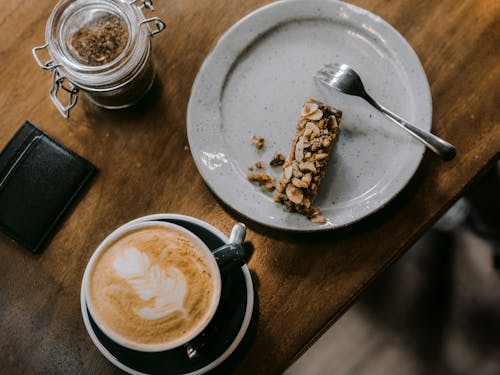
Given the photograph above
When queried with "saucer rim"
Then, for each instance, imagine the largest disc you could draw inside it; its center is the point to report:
(244, 325)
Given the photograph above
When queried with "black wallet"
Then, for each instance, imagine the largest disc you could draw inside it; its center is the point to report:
(39, 180)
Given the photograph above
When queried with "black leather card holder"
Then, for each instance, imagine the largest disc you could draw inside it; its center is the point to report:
(39, 181)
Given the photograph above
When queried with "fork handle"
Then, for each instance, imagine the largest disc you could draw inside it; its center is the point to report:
(443, 149)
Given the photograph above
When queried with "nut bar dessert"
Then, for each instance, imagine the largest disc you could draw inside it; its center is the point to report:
(306, 164)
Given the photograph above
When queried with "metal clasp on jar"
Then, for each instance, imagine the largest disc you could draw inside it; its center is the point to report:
(148, 4)
(57, 83)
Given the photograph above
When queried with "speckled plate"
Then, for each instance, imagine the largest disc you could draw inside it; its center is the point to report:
(254, 83)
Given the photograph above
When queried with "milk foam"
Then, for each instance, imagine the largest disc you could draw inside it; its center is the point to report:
(167, 287)
(153, 285)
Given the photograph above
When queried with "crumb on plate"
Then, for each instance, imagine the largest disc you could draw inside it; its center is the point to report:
(258, 141)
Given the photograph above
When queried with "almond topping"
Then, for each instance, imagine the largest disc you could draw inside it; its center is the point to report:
(306, 202)
(320, 156)
(307, 178)
(294, 194)
(318, 219)
(307, 166)
(316, 115)
(299, 183)
(309, 108)
(295, 171)
(299, 150)
(312, 129)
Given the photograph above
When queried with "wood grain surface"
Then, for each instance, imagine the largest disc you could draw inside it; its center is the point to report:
(303, 283)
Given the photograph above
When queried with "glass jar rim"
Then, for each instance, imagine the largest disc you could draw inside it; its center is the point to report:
(121, 68)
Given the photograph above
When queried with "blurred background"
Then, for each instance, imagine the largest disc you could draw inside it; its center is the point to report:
(435, 311)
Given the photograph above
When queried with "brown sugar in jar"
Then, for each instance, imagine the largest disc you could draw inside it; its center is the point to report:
(99, 41)
(101, 47)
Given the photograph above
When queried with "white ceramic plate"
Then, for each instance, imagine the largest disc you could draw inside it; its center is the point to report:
(255, 81)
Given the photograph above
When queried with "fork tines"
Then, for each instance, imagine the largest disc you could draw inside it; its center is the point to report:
(324, 76)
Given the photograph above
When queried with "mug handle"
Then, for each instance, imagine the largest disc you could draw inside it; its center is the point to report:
(228, 256)
(232, 254)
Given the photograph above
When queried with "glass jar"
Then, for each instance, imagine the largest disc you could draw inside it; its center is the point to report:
(101, 47)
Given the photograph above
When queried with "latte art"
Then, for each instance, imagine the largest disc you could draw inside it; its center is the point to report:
(167, 287)
(153, 286)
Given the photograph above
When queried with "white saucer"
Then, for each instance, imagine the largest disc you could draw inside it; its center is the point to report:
(231, 347)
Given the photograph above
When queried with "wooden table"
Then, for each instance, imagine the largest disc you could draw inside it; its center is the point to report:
(304, 283)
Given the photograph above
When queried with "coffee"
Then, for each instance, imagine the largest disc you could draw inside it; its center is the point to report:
(153, 286)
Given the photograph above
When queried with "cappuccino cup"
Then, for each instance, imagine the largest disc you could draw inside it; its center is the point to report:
(155, 286)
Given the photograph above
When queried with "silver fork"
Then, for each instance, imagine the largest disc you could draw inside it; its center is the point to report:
(344, 79)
